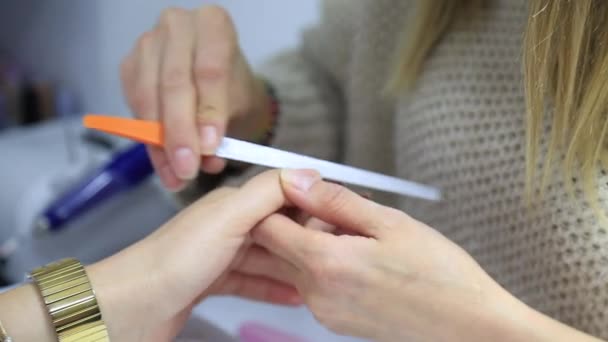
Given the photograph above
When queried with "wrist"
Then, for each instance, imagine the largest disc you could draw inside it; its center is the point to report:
(503, 317)
(24, 315)
(126, 287)
(523, 323)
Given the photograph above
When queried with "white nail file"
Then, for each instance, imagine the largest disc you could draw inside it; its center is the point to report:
(266, 156)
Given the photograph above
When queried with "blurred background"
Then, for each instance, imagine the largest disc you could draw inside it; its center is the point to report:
(60, 59)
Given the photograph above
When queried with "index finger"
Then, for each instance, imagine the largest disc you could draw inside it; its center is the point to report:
(289, 240)
(215, 51)
(334, 203)
(177, 94)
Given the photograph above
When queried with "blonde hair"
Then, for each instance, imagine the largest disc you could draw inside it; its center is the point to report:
(565, 68)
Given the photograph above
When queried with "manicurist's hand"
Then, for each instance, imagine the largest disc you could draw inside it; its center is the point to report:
(389, 277)
(189, 73)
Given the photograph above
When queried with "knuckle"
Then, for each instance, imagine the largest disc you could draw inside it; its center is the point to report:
(326, 271)
(207, 68)
(318, 245)
(334, 198)
(143, 101)
(315, 251)
(258, 233)
(392, 218)
(175, 78)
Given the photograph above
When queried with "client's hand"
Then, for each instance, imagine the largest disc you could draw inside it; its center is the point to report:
(147, 291)
(381, 274)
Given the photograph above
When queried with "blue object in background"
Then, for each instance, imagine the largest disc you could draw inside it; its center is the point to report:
(124, 171)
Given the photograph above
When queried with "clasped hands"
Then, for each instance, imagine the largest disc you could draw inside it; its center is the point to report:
(289, 237)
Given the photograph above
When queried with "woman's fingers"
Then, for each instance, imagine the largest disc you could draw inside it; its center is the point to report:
(144, 99)
(177, 93)
(332, 203)
(147, 103)
(290, 241)
(216, 49)
(259, 262)
(259, 197)
(189, 73)
(244, 208)
(259, 288)
(139, 75)
(163, 168)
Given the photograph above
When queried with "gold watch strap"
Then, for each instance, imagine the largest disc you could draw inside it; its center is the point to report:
(71, 302)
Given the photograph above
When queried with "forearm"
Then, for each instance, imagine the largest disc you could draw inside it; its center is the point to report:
(24, 315)
(507, 319)
(128, 289)
(543, 328)
(478, 315)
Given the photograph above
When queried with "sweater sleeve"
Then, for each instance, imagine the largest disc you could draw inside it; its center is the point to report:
(309, 83)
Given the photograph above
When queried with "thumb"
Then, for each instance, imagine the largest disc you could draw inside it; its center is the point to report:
(254, 201)
(332, 203)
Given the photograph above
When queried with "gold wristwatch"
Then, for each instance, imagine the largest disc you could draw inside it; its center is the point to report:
(70, 301)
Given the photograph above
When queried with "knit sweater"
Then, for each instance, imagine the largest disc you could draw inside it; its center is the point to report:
(462, 129)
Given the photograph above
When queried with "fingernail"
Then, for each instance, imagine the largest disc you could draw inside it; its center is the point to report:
(185, 163)
(302, 180)
(169, 179)
(209, 139)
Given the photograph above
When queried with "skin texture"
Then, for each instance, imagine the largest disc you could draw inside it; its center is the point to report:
(189, 73)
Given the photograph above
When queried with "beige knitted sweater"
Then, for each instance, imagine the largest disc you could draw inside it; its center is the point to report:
(461, 129)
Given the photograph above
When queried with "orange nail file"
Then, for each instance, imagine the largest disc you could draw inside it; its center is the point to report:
(147, 132)
(151, 133)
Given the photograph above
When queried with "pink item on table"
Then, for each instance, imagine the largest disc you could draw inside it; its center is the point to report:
(256, 332)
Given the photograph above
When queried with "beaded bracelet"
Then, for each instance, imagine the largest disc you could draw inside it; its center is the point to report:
(266, 137)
